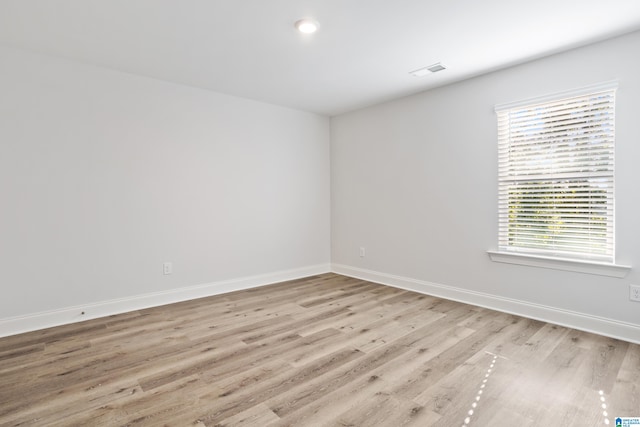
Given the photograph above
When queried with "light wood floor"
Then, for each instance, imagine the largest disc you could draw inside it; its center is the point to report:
(323, 351)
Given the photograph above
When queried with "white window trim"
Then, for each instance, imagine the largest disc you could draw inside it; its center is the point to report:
(557, 263)
(578, 266)
(585, 90)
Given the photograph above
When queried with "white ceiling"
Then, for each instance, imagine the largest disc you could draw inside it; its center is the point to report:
(360, 56)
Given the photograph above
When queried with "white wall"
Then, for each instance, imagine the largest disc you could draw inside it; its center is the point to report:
(105, 175)
(414, 181)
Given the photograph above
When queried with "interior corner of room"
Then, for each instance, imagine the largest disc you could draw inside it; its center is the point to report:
(106, 175)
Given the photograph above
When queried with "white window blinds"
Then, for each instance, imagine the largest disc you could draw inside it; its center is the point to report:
(556, 176)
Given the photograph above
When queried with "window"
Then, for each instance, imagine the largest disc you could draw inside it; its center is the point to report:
(556, 176)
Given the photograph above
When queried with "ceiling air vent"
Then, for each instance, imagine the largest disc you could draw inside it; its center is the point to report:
(434, 68)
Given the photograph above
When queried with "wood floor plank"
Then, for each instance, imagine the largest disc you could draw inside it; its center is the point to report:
(351, 387)
(293, 400)
(387, 409)
(434, 369)
(326, 350)
(604, 362)
(328, 408)
(263, 353)
(258, 415)
(624, 397)
(244, 399)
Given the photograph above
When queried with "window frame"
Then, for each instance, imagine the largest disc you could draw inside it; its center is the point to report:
(548, 259)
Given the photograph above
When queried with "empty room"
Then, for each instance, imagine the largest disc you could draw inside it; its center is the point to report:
(319, 213)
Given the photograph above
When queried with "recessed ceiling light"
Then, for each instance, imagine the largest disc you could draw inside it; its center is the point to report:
(434, 68)
(306, 26)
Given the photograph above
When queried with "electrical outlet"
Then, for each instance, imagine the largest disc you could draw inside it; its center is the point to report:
(167, 268)
(634, 292)
(362, 251)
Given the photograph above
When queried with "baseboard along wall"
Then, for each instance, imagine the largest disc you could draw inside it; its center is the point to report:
(581, 321)
(47, 319)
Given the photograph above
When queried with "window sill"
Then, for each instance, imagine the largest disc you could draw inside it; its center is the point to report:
(587, 267)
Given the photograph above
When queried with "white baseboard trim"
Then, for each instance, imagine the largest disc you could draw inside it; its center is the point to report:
(47, 319)
(584, 322)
